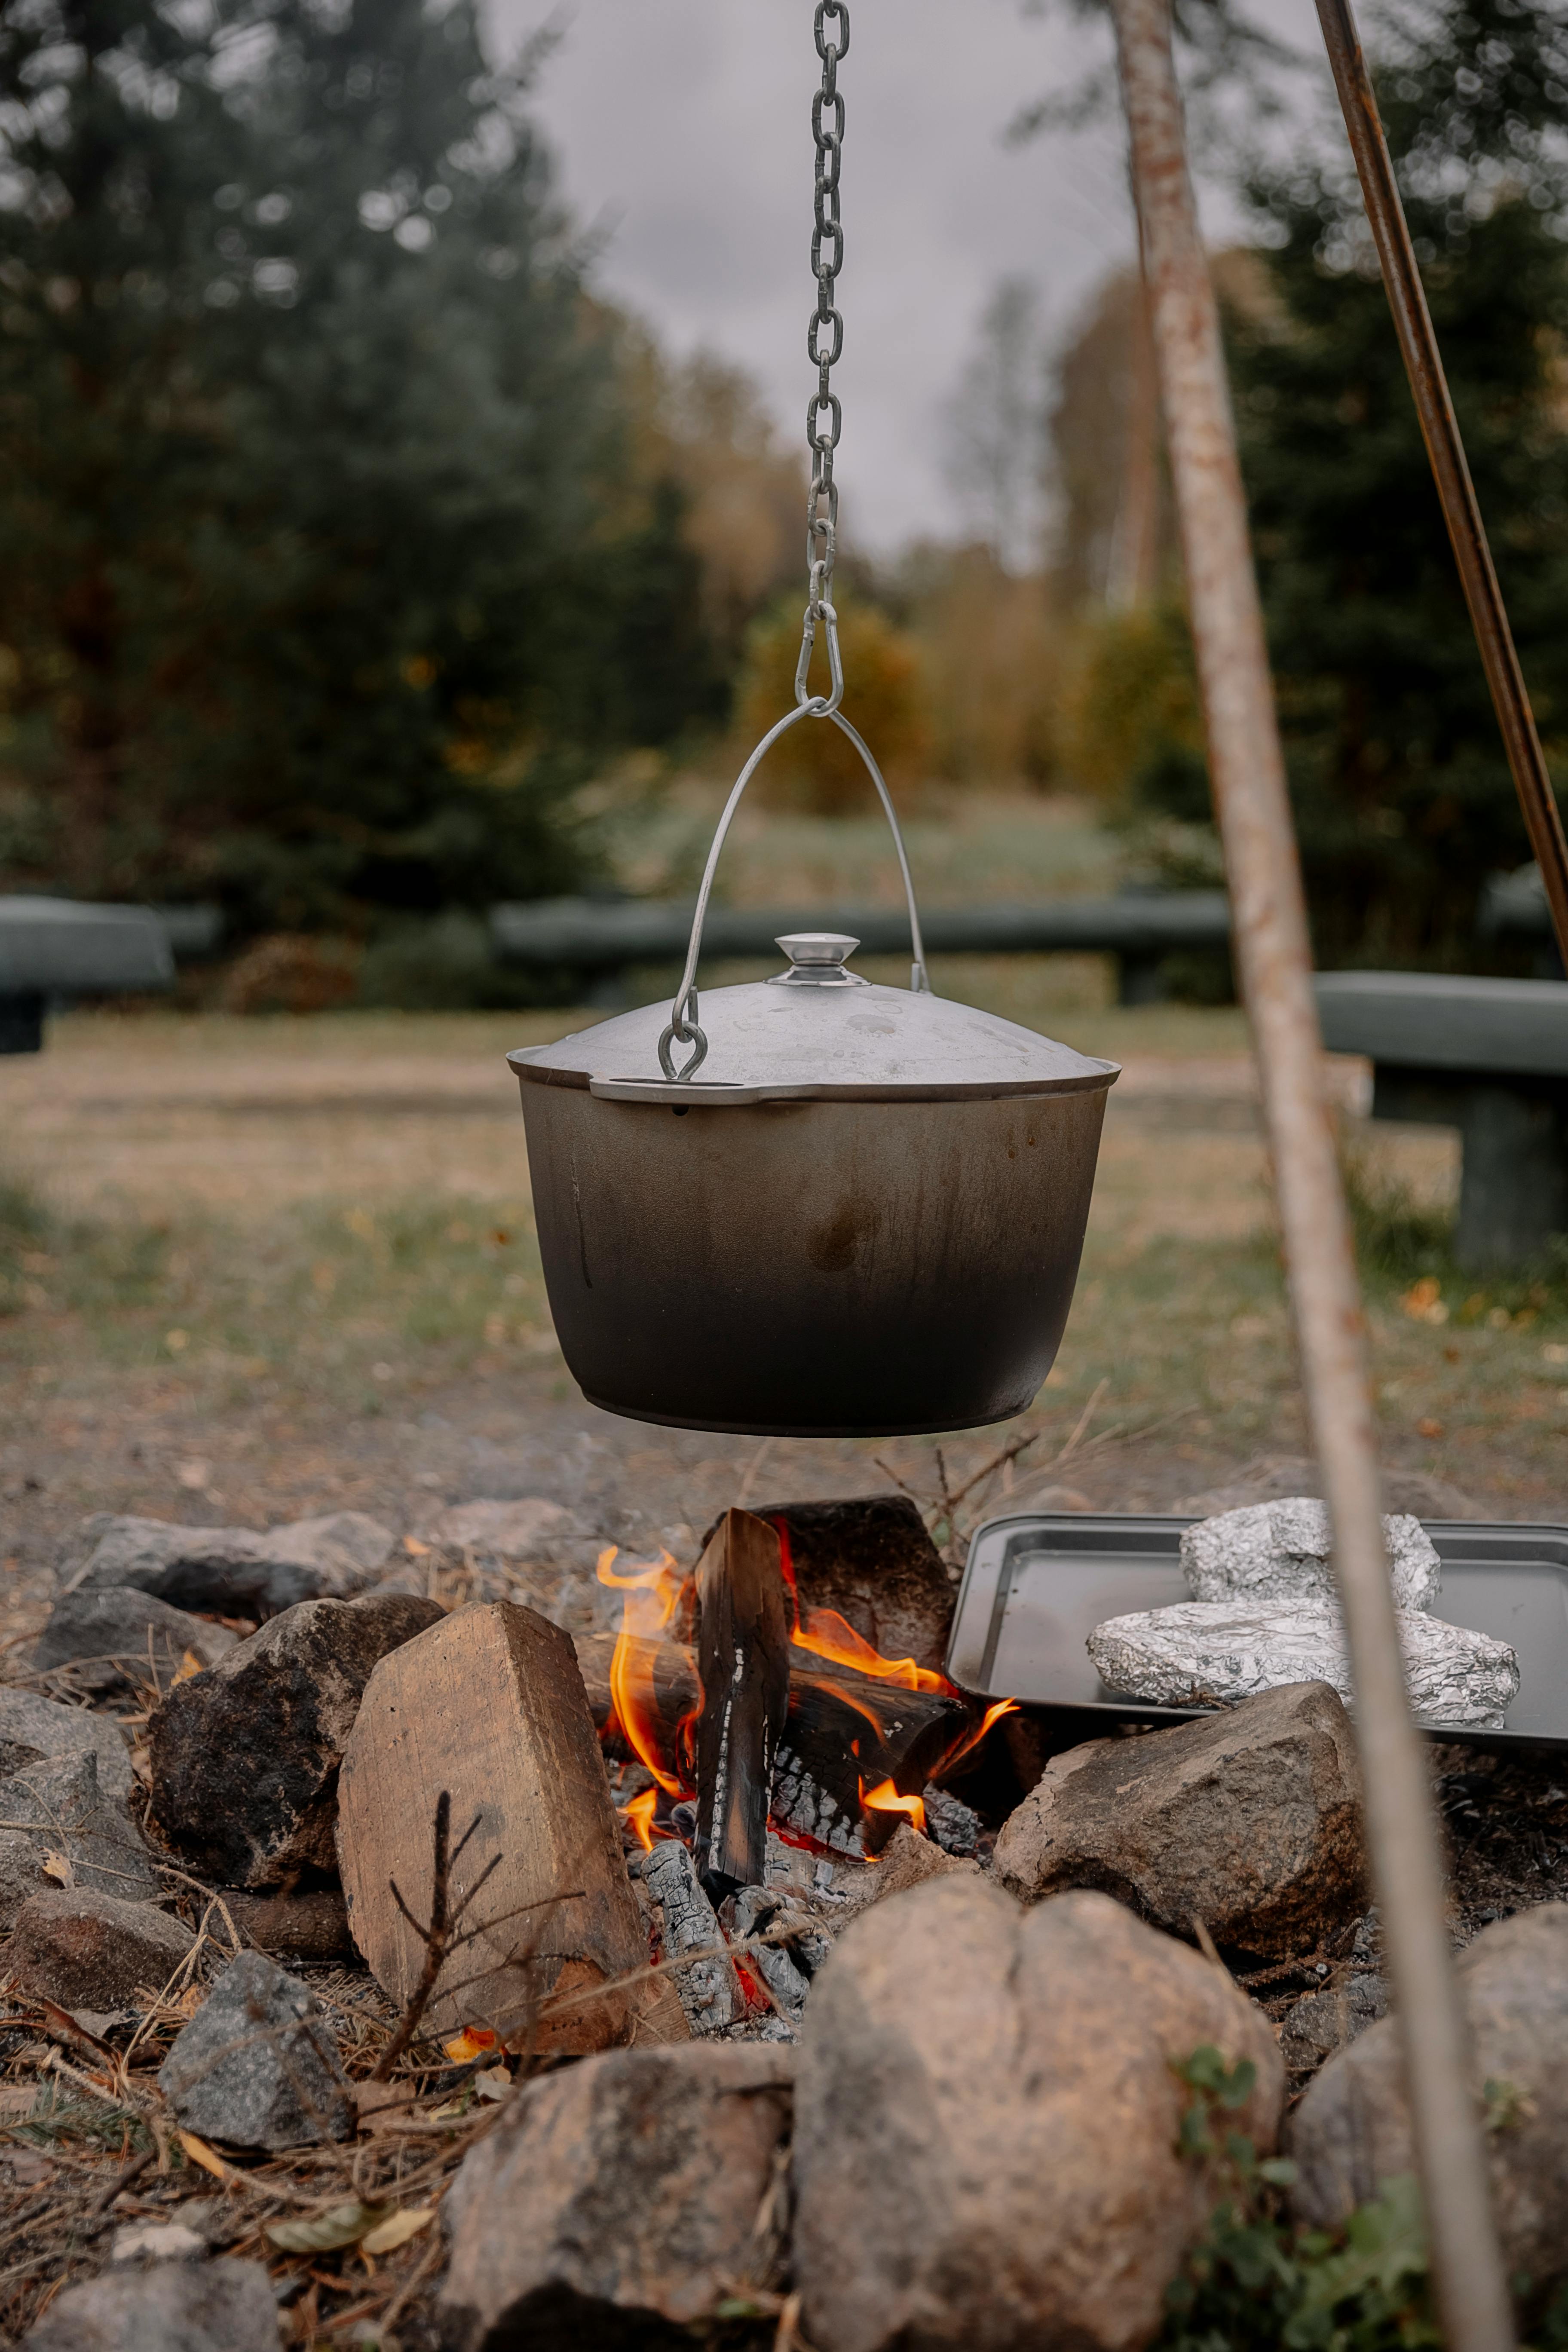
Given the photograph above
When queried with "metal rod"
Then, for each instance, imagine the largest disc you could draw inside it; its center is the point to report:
(1440, 431)
(1264, 874)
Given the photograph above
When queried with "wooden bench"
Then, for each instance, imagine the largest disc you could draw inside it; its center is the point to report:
(55, 947)
(600, 939)
(1488, 1057)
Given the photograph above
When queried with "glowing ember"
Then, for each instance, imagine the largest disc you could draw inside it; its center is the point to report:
(651, 1594)
(885, 1799)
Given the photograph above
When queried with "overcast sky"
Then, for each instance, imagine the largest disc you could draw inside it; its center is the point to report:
(683, 131)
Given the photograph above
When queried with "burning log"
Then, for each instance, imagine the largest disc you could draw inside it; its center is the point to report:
(744, 1668)
(871, 1564)
(842, 1729)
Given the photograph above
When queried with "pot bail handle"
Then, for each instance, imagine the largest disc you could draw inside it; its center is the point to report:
(683, 1027)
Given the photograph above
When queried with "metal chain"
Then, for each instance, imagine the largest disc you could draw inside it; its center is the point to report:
(824, 343)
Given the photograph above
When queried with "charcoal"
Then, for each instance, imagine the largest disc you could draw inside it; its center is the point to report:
(710, 1991)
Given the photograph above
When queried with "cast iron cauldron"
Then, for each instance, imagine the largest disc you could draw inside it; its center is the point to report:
(865, 1217)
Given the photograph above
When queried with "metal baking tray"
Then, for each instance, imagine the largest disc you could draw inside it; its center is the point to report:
(1034, 1587)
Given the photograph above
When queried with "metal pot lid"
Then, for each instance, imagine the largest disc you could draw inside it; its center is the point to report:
(818, 1030)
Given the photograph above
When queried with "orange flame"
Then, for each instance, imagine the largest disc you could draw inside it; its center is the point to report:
(885, 1799)
(638, 1818)
(829, 1635)
(972, 1740)
(652, 1591)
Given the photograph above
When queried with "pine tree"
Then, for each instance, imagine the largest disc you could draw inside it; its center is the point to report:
(321, 566)
(1403, 796)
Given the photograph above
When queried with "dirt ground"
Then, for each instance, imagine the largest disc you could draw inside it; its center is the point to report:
(256, 1269)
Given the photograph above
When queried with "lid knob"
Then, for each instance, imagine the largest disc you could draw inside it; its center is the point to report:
(817, 960)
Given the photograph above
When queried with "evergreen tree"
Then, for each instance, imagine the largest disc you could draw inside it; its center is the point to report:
(322, 564)
(1403, 795)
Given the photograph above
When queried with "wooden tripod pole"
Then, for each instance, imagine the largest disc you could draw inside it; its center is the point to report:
(1263, 870)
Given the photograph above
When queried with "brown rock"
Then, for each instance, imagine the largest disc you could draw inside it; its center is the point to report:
(908, 1860)
(244, 1757)
(1248, 1820)
(986, 2123)
(1351, 2130)
(307, 1923)
(616, 2195)
(488, 1707)
(87, 1950)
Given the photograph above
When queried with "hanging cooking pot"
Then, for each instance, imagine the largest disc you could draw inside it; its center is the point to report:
(853, 1211)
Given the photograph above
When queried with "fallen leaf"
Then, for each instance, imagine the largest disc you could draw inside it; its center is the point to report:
(472, 2043)
(449, 2113)
(397, 2228)
(414, 1549)
(17, 2098)
(189, 1665)
(493, 2084)
(1430, 1428)
(207, 2158)
(341, 2225)
(68, 2027)
(58, 1866)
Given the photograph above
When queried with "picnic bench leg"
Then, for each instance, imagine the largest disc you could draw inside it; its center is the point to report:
(21, 1024)
(1513, 1186)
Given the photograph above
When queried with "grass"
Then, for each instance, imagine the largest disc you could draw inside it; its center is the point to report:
(297, 1225)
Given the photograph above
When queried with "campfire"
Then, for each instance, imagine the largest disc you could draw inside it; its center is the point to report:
(770, 1743)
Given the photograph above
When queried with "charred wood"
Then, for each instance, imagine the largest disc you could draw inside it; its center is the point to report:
(743, 1666)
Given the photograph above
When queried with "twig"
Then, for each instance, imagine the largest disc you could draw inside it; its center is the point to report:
(1085, 1417)
(1009, 1453)
(439, 1937)
(122, 2180)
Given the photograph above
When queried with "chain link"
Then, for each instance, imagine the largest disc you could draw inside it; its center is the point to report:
(825, 334)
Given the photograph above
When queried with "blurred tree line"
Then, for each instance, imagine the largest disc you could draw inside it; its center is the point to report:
(1403, 798)
(345, 536)
(340, 531)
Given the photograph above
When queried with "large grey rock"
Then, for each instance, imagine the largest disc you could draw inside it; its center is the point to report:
(218, 2306)
(1201, 1653)
(624, 2191)
(234, 1571)
(1284, 1551)
(1351, 2130)
(245, 1758)
(57, 1826)
(987, 2120)
(33, 1728)
(1249, 1820)
(116, 1635)
(89, 1950)
(256, 2066)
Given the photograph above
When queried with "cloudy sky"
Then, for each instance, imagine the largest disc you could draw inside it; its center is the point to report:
(682, 132)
